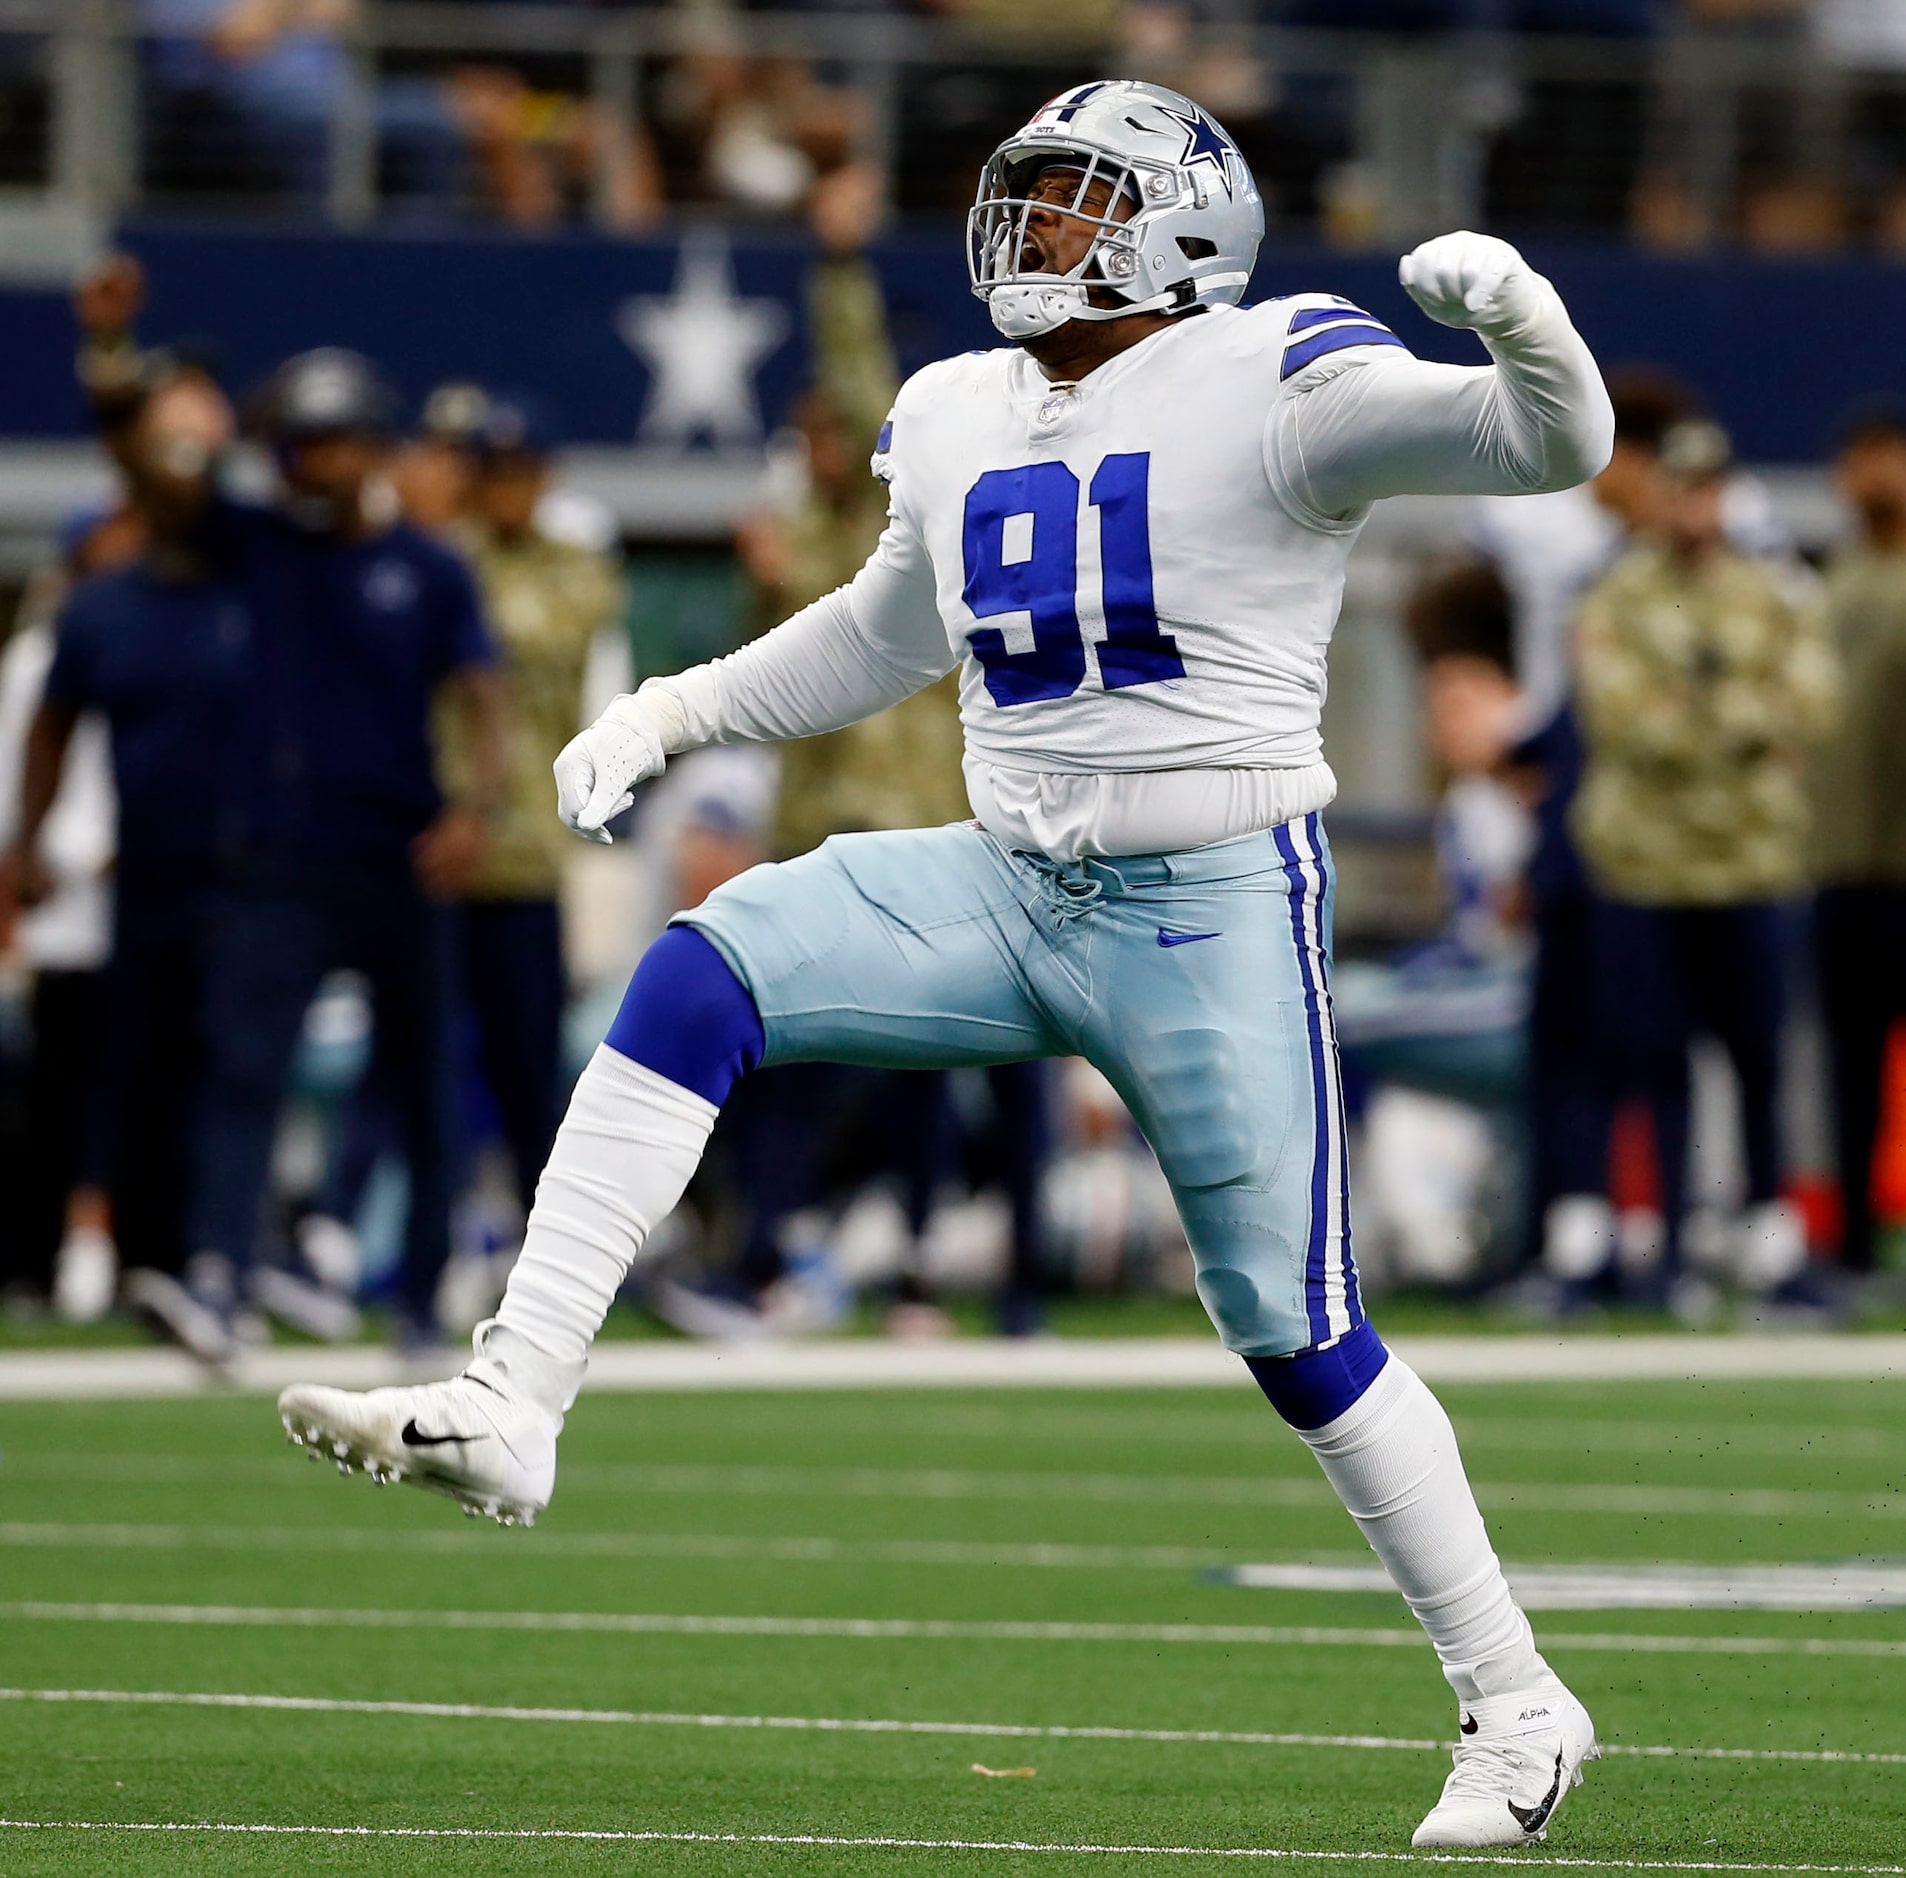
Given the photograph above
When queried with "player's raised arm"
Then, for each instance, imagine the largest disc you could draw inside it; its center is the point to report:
(1537, 419)
(865, 646)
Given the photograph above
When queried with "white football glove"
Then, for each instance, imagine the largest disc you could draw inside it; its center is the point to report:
(597, 772)
(1474, 281)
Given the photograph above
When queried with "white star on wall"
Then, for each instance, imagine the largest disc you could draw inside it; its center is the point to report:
(702, 344)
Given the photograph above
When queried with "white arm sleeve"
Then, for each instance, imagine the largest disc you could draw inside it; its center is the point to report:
(865, 646)
(1537, 419)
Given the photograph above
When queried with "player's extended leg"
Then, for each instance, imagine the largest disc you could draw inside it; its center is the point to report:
(1211, 1014)
(895, 950)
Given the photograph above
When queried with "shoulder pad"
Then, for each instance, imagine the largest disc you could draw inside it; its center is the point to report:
(1318, 324)
(918, 393)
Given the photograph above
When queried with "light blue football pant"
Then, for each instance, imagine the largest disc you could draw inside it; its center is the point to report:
(1196, 981)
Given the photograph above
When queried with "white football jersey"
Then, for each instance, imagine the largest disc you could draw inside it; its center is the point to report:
(1123, 567)
(1138, 575)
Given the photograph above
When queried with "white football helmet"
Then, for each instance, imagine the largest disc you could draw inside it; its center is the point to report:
(1194, 217)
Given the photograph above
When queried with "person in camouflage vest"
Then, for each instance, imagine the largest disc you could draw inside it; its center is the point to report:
(546, 601)
(1704, 677)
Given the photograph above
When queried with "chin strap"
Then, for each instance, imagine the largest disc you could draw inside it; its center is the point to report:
(1024, 310)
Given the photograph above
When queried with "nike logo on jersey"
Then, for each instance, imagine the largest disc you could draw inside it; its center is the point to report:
(411, 1438)
(1533, 1818)
(1184, 938)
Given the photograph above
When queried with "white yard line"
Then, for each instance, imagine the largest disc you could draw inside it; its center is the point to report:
(1161, 1489)
(1855, 1585)
(1618, 1499)
(1190, 1429)
(456, 1541)
(1851, 1587)
(857, 1725)
(899, 1844)
(642, 1623)
(987, 1363)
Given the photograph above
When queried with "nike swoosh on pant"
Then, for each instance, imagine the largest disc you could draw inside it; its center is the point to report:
(1185, 938)
(1533, 1818)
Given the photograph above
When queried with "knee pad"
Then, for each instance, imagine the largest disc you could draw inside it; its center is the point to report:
(688, 1017)
(1310, 1390)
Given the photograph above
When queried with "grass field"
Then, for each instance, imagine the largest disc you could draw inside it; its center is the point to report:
(1000, 1567)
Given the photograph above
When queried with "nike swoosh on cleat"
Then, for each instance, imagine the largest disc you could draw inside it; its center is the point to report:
(1185, 938)
(1533, 1818)
(1469, 1724)
(412, 1439)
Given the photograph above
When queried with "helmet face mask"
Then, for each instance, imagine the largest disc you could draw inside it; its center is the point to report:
(1172, 215)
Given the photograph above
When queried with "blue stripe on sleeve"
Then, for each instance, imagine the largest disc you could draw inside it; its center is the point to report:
(885, 439)
(1337, 339)
(1323, 315)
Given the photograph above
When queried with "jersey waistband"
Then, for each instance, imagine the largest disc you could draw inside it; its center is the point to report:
(1068, 816)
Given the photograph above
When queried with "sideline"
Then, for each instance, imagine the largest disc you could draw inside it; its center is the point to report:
(1523, 1859)
(978, 1363)
(825, 1724)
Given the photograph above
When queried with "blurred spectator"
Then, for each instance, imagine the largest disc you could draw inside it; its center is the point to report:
(434, 470)
(900, 769)
(1548, 548)
(542, 151)
(1461, 625)
(1756, 157)
(1859, 840)
(1864, 41)
(1703, 680)
(352, 853)
(483, 469)
(547, 602)
(158, 648)
(252, 93)
(63, 938)
(753, 132)
(1439, 1030)
(260, 83)
(348, 849)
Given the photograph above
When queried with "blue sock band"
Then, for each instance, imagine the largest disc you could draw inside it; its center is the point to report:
(688, 1017)
(1314, 1387)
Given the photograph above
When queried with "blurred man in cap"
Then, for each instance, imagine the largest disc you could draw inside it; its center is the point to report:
(352, 850)
(348, 848)
(434, 470)
(1704, 677)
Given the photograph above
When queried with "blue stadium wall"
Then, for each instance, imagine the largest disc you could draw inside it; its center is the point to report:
(1783, 351)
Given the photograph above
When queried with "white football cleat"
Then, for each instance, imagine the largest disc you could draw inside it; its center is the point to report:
(477, 1438)
(1519, 1757)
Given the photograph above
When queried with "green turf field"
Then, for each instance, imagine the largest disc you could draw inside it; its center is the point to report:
(1020, 1563)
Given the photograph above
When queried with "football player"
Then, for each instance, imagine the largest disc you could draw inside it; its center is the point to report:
(1128, 530)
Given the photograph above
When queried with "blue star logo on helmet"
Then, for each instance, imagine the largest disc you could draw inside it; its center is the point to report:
(1204, 143)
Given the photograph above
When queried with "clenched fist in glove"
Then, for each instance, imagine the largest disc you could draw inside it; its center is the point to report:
(1474, 281)
(597, 772)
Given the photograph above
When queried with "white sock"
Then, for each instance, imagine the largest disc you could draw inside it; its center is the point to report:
(623, 1155)
(1393, 1460)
